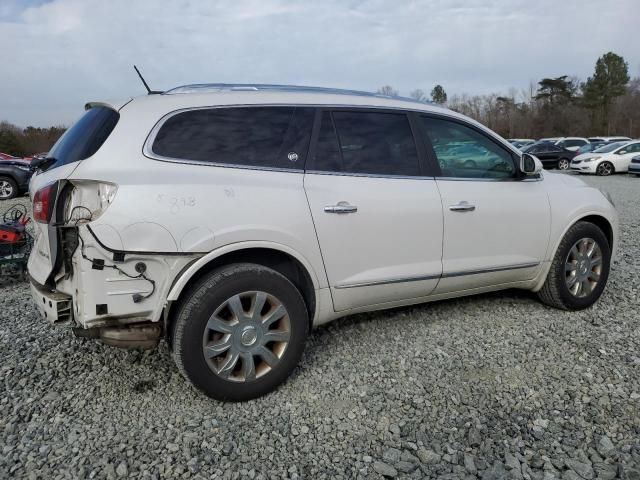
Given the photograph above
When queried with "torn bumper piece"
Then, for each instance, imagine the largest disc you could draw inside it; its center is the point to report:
(53, 306)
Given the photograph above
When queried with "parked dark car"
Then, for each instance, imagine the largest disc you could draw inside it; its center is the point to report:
(634, 166)
(551, 155)
(14, 178)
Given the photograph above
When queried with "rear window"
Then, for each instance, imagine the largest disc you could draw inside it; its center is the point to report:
(267, 137)
(85, 137)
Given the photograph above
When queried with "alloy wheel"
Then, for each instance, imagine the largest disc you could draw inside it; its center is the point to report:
(6, 189)
(563, 164)
(604, 169)
(246, 336)
(583, 267)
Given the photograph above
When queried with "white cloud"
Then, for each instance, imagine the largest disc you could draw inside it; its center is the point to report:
(62, 53)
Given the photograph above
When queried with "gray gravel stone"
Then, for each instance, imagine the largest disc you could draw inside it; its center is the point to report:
(605, 446)
(385, 470)
(583, 469)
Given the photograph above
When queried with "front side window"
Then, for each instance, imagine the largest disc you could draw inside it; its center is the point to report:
(373, 143)
(632, 148)
(269, 137)
(463, 152)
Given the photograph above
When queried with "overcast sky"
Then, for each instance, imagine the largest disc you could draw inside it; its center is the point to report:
(58, 54)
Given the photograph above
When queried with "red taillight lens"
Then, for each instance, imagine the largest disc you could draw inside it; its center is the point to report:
(43, 202)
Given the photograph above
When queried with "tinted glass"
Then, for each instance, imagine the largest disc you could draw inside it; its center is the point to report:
(609, 147)
(573, 143)
(464, 152)
(368, 143)
(274, 137)
(633, 148)
(85, 137)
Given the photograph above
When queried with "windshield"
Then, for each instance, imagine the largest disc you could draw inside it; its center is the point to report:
(85, 137)
(609, 148)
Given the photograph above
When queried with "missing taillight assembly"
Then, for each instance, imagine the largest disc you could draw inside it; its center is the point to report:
(43, 203)
(87, 200)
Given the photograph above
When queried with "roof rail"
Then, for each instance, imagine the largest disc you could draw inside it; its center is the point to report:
(243, 87)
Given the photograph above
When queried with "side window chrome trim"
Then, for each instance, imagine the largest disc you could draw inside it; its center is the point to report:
(474, 179)
(371, 175)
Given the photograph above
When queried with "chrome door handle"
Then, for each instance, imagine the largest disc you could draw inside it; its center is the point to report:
(462, 207)
(341, 207)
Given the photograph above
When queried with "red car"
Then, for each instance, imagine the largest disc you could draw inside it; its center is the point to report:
(6, 156)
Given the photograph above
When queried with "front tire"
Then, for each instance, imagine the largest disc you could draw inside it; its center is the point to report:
(605, 169)
(580, 269)
(240, 332)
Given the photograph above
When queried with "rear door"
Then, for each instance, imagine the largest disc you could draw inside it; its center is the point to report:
(377, 213)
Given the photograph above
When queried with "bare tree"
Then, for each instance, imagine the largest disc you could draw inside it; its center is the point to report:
(387, 90)
(419, 95)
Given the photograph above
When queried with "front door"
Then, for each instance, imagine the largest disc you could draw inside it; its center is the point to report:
(378, 219)
(496, 225)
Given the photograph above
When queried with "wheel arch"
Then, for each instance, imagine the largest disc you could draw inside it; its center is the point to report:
(275, 256)
(599, 220)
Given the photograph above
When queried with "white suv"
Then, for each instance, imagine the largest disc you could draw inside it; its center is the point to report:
(232, 219)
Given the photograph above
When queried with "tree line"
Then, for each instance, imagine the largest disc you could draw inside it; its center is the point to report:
(606, 103)
(22, 142)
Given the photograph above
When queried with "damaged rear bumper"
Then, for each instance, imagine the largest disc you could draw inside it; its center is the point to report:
(105, 291)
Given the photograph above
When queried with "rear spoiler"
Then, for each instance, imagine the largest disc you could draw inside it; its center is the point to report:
(113, 105)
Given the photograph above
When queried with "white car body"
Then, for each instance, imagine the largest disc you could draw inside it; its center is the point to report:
(619, 158)
(404, 245)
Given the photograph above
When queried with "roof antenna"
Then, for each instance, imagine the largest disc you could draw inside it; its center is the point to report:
(149, 91)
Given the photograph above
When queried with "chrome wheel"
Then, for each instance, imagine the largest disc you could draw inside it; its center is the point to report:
(563, 164)
(604, 169)
(6, 189)
(583, 267)
(246, 336)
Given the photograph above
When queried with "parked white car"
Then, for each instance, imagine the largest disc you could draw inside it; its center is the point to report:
(608, 139)
(229, 220)
(608, 159)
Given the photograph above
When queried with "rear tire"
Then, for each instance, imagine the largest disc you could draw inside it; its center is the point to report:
(240, 332)
(563, 164)
(576, 279)
(8, 188)
(605, 169)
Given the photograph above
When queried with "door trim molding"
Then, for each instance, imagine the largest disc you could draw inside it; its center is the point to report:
(421, 278)
(388, 281)
(462, 273)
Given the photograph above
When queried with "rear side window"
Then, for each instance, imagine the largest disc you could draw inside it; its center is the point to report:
(267, 137)
(85, 137)
(573, 143)
(372, 143)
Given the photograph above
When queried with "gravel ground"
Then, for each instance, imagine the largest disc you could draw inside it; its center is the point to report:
(495, 386)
